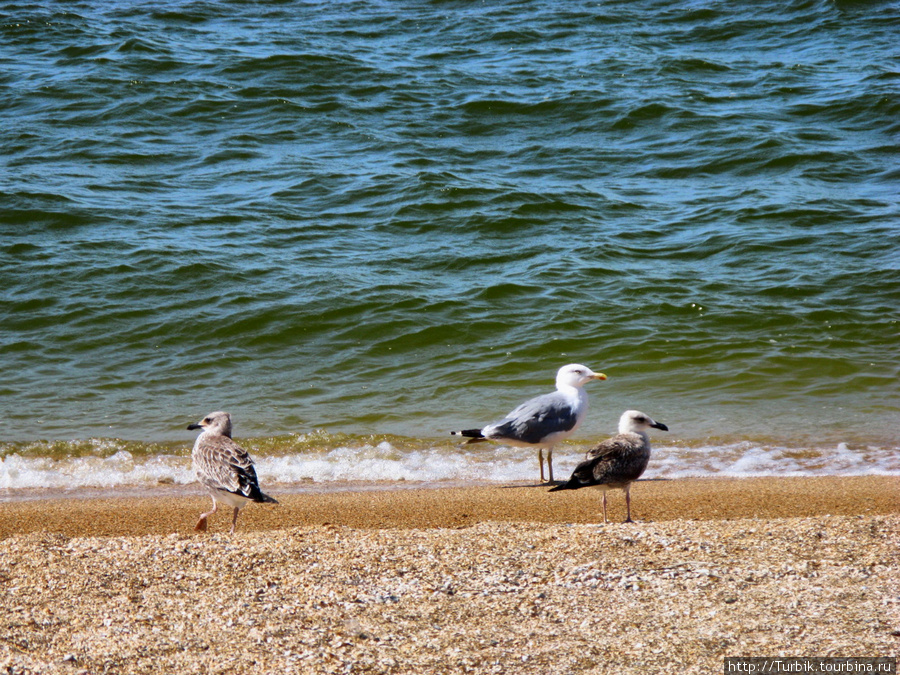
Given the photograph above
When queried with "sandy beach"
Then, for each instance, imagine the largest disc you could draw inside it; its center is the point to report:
(483, 579)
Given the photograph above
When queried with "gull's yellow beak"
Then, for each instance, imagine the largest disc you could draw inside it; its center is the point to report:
(599, 376)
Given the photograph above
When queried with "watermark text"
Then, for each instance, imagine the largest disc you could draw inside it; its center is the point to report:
(811, 664)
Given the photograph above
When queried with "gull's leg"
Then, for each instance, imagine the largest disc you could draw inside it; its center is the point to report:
(550, 463)
(541, 462)
(234, 519)
(628, 503)
(604, 508)
(201, 524)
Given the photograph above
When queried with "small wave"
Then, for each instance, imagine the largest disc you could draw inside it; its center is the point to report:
(646, 113)
(692, 65)
(387, 462)
(746, 459)
(19, 472)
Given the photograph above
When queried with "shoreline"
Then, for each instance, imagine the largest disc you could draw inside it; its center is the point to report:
(438, 580)
(174, 510)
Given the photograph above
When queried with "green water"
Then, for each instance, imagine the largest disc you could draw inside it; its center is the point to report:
(374, 222)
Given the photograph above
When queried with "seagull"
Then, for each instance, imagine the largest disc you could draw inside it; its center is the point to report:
(617, 461)
(543, 421)
(224, 468)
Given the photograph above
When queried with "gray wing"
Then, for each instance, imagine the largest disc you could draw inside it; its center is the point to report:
(536, 419)
(222, 464)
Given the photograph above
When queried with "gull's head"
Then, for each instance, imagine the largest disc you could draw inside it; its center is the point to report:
(636, 422)
(218, 423)
(576, 375)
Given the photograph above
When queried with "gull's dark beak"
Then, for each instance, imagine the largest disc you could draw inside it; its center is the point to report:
(191, 427)
(659, 425)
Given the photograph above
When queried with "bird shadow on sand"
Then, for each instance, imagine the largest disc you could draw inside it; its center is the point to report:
(562, 482)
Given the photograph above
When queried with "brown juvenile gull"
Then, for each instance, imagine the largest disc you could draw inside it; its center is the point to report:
(543, 421)
(224, 468)
(617, 461)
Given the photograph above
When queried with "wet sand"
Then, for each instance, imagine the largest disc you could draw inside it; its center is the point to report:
(653, 501)
(484, 579)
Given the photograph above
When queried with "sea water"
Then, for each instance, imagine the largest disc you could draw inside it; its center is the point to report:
(358, 226)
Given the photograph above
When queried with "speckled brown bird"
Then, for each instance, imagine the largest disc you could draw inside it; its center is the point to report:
(224, 468)
(618, 461)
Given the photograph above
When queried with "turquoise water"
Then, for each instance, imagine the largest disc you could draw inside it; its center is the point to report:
(367, 224)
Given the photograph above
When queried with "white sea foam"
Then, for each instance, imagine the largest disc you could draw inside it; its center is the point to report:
(17, 472)
(385, 463)
(743, 460)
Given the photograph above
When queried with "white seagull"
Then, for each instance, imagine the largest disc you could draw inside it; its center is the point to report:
(543, 421)
(618, 461)
(224, 468)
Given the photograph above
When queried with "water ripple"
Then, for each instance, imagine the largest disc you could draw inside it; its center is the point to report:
(353, 218)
